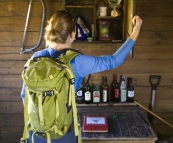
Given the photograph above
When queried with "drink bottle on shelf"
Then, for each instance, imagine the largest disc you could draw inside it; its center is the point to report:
(123, 90)
(105, 90)
(96, 94)
(115, 89)
(79, 97)
(130, 91)
(79, 94)
(87, 93)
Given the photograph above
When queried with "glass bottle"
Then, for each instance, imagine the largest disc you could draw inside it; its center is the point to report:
(130, 91)
(79, 97)
(105, 90)
(123, 90)
(96, 94)
(87, 93)
(115, 89)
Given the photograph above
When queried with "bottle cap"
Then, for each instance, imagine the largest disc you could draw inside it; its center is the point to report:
(123, 78)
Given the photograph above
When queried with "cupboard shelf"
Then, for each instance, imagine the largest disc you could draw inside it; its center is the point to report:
(109, 104)
(108, 17)
(89, 11)
(71, 6)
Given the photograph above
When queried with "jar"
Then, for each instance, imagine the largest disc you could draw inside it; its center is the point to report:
(103, 11)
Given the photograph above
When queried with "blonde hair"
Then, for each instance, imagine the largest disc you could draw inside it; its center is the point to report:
(60, 25)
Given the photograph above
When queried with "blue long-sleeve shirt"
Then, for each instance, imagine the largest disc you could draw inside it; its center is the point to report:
(83, 65)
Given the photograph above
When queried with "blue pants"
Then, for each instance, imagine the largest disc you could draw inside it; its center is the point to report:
(69, 137)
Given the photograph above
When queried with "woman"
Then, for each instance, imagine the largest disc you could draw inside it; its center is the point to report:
(60, 34)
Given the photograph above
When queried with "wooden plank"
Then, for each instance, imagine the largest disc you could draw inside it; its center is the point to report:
(146, 11)
(15, 57)
(9, 140)
(15, 39)
(14, 64)
(141, 52)
(7, 120)
(156, 52)
(158, 108)
(10, 50)
(15, 24)
(139, 80)
(11, 70)
(12, 127)
(21, 8)
(159, 23)
(144, 8)
(10, 78)
(11, 107)
(11, 134)
(10, 94)
(155, 38)
(158, 122)
(87, 48)
(12, 84)
(163, 131)
(162, 93)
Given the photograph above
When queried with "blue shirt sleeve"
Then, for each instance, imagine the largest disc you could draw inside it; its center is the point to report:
(23, 92)
(84, 65)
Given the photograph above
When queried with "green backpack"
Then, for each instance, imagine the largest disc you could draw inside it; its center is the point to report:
(50, 106)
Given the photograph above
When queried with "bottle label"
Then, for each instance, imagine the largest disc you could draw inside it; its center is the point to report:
(116, 93)
(131, 93)
(79, 93)
(105, 95)
(96, 96)
(123, 96)
(87, 96)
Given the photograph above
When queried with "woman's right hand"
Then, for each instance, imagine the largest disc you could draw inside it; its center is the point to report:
(137, 22)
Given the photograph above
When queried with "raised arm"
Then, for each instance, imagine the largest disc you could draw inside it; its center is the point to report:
(137, 22)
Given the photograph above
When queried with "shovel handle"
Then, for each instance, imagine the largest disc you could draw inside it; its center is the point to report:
(158, 77)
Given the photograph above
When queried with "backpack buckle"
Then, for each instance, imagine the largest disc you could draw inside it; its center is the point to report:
(72, 81)
(40, 134)
(23, 141)
(49, 93)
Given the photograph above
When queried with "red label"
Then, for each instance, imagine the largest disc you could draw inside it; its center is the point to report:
(117, 93)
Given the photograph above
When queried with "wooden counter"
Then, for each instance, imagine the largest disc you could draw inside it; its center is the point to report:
(133, 127)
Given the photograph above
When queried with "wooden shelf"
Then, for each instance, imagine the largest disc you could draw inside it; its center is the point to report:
(109, 17)
(98, 41)
(79, 6)
(108, 104)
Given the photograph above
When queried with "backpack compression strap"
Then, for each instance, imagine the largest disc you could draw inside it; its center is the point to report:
(25, 132)
(72, 102)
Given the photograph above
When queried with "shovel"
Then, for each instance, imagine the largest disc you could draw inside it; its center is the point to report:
(154, 81)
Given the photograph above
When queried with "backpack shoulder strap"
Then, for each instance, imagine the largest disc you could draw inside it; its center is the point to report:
(70, 54)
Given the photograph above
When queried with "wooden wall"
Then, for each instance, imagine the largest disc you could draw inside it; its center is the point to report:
(153, 55)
